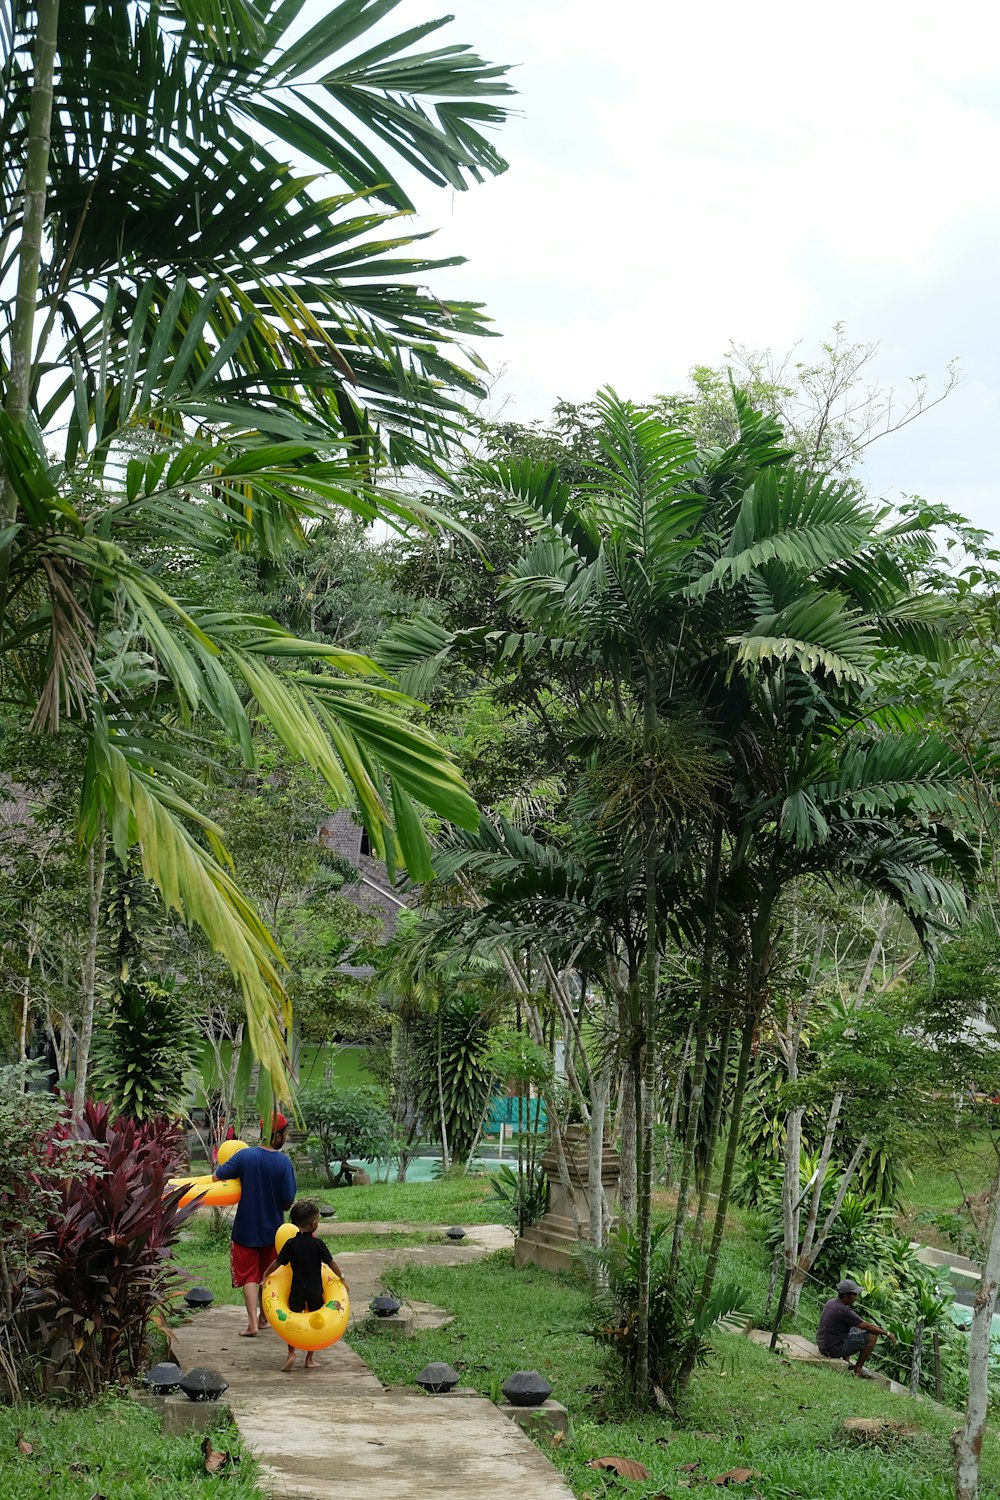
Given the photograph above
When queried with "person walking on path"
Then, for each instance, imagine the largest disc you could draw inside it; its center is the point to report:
(267, 1188)
(843, 1331)
(307, 1256)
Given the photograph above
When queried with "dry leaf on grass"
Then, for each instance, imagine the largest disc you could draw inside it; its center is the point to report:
(558, 1438)
(627, 1468)
(24, 1446)
(214, 1459)
(688, 1468)
(737, 1476)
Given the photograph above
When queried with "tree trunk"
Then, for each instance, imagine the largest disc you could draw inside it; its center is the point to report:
(96, 861)
(915, 1361)
(791, 1186)
(26, 1006)
(713, 1131)
(595, 1156)
(968, 1439)
(732, 1146)
(705, 1007)
(445, 1159)
(675, 1109)
(627, 1145)
(807, 1259)
(30, 250)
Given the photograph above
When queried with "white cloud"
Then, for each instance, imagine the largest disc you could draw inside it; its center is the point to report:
(683, 176)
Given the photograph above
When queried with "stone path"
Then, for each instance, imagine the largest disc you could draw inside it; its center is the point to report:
(335, 1432)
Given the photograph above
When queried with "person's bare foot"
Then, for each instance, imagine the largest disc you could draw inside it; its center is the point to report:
(248, 1333)
(289, 1364)
(311, 1363)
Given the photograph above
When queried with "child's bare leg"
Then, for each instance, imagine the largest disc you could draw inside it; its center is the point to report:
(311, 1360)
(290, 1361)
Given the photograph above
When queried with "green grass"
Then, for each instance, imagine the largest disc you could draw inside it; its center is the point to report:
(203, 1255)
(452, 1200)
(112, 1448)
(938, 1183)
(746, 1409)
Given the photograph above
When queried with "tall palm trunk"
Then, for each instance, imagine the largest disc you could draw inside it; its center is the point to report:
(646, 1089)
(96, 862)
(445, 1157)
(725, 1041)
(759, 966)
(705, 1007)
(628, 1187)
(968, 1439)
(732, 1146)
(30, 251)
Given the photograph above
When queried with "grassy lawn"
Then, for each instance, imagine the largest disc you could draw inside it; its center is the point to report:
(203, 1256)
(746, 1409)
(968, 1165)
(113, 1448)
(452, 1200)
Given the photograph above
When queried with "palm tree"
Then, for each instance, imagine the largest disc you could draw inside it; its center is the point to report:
(227, 353)
(724, 590)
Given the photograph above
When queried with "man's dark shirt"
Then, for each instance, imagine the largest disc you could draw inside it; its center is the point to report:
(267, 1181)
(835, 1322)
(307, 1256)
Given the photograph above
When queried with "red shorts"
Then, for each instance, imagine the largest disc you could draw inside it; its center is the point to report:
(249, 1262)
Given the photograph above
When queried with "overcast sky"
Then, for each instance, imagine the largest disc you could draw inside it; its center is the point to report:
(683, 176)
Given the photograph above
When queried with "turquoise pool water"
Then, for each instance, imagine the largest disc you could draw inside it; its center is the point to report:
(963, 1317)
(427, 1168)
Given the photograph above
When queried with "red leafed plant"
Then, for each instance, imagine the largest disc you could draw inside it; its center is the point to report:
(101, 1266)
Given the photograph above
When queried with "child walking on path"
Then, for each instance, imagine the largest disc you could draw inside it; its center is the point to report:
(307, 1256)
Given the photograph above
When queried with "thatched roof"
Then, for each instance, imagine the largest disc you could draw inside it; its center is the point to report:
(373, 892)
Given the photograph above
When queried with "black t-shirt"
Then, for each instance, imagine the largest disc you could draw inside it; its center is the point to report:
(835, 1323)
(307, 1256)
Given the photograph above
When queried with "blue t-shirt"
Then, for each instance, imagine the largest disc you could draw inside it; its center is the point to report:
(267, 1182)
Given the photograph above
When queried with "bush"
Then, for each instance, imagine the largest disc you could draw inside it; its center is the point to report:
(100, 1270)
(346, 1123)
(453, 1068)
(145, 1052)
(524, 1195)
(678, 1331)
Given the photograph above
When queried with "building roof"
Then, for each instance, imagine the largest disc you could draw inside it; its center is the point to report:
(373, 891)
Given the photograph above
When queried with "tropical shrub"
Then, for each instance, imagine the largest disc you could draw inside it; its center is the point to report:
(345, 1123)
(678, 1327)
(145, 1052)
(453, 1071)
(99, 1271)
(524, 1195)
(33, 1168)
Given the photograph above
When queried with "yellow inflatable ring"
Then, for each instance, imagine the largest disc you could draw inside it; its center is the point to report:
(209, 1194)
(306, 1330)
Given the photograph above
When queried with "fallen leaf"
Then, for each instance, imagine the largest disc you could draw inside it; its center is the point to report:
(626, 1468)
(688, 1468)
(737, 1476)
(558, 1438)
(24, 1446)
(98, 1496)
(214, 1459)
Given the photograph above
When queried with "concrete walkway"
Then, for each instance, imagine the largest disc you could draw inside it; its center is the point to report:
(334, 1432)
